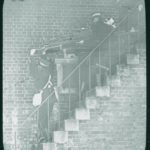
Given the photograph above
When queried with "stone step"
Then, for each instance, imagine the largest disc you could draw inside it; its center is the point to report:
(82, 114)
(141, 50)
(49, 146)
(115, 81)
(102, 91)
(71, 125)
(123, 70)
(91, 102)
(60, 137)
(99, 91)
(133, 59)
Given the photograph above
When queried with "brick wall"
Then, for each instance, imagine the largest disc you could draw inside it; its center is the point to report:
(30, 24)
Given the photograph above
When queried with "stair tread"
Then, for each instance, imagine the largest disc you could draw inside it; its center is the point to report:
(82, 113)
(71, 125)
(60, 137)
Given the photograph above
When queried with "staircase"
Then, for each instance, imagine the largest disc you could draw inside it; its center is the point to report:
(110, 116)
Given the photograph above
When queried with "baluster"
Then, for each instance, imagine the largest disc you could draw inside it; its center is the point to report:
(89, 72)
(69, 99)
(59, 117)
(59, 120)
(128, 33)
(48, 117)
(109, 48)
(119, 49)
(138, 23)
(37, 118)
(15, 134)
(79, 85)
(99, 61)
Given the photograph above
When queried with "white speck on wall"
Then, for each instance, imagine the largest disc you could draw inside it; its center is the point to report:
(140, 7)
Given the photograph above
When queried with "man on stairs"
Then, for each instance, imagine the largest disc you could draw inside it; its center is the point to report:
(42, 70)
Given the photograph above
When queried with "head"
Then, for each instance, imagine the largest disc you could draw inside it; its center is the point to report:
(96, 17)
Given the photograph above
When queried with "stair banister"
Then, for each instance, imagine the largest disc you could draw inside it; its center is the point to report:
(78, 67)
